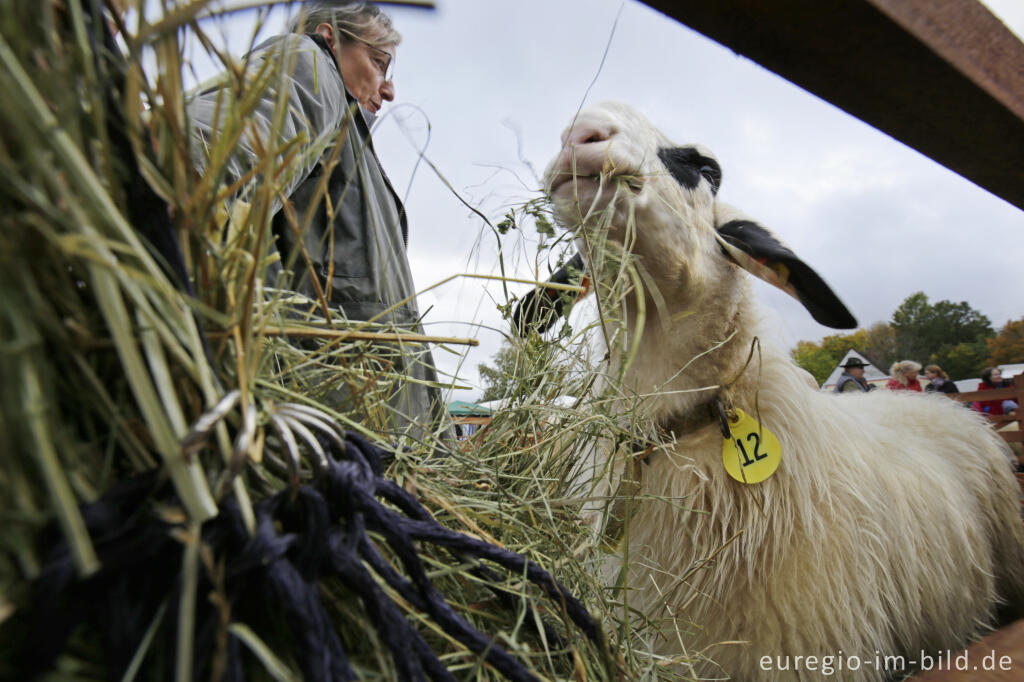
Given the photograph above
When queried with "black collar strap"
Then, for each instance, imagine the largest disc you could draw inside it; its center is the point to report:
(682, 425)
(706, 414)
(678, 426)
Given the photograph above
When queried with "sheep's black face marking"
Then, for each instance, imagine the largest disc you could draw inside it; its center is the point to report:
(688, 166)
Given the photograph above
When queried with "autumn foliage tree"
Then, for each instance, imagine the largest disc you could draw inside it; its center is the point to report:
(876, 343)
(821, 358)
(810, 356)
(1008, 346)
(952, 335)
(880, 346)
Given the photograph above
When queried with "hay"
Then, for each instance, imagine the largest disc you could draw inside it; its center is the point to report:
(122, 356)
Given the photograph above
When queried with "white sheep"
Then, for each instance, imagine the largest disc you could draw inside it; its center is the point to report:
(891, 526)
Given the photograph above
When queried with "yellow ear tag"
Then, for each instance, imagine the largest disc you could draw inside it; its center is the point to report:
(752, 454)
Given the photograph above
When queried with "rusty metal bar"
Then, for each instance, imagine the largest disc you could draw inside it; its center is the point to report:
(945, 77)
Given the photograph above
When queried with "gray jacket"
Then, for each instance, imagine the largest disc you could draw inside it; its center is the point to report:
(355, 241)
(850, 384)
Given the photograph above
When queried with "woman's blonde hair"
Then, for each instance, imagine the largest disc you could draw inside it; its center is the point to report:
(937, 370)
(901, 369)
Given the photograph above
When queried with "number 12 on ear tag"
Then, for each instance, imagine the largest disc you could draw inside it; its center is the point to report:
(752, 454)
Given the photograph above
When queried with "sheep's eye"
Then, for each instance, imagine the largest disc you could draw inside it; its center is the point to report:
(688, 166)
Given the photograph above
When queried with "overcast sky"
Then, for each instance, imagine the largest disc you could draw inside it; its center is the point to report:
(487, 87)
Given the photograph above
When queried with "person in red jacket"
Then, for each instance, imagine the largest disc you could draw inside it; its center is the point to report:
(904, 376)
(992, 378)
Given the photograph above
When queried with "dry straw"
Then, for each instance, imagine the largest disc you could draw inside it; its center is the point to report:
(112, 366)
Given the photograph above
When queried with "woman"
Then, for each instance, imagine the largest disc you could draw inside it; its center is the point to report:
(904, 376)
(348, 250)
(992, 378)
(938, 381)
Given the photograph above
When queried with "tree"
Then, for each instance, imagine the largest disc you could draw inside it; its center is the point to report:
(840, 344)
(880, 345)
(521, 367)
(1008, 346)
(952, 335)
(821, 358)
(814, 359)
(962, 360)
(945, 333)
(500, 380)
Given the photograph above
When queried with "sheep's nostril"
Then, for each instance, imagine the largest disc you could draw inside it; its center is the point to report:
(588, 134)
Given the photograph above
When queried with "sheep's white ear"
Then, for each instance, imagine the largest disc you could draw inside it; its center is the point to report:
(758, 252)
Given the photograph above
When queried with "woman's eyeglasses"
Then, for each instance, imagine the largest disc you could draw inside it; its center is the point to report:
(385, 60)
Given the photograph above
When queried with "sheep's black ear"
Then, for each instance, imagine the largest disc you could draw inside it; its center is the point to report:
(688, 165)
(756, 250)
(541, 308)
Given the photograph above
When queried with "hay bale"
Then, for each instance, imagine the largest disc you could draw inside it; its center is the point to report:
(146, 372)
